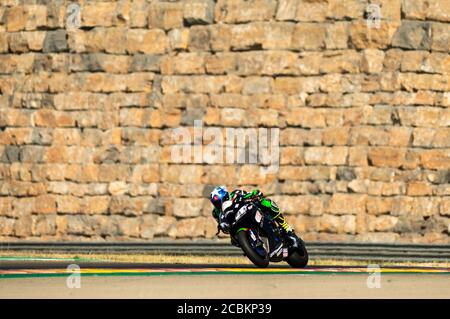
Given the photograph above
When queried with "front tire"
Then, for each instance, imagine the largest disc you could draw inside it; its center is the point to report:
(298, 258)
(255, 258)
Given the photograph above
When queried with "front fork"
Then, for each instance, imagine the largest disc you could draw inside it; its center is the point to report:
(274, 240)
(256, 239)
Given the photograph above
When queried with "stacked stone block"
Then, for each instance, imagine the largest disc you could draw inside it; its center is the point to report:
(86, 116)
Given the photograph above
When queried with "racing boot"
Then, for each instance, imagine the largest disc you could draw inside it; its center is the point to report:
(295, 240)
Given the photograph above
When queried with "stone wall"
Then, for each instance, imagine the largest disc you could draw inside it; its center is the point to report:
(86, 116)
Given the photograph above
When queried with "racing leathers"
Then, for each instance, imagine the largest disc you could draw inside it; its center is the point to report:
(266, 205)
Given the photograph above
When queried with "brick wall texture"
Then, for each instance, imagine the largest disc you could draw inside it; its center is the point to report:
(86, 116)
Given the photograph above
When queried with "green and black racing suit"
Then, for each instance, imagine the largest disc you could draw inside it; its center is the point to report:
(266, 205)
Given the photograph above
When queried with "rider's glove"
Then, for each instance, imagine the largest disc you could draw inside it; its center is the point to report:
(256, 195)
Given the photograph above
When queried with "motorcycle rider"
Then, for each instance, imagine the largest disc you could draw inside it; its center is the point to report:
(220, 194)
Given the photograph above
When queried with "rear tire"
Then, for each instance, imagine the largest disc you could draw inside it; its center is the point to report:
(254, 257)
(299, 258)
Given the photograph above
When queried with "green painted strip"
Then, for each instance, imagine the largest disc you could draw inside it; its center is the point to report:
(151, 274)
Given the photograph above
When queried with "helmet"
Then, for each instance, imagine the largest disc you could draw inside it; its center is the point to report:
(218, 196)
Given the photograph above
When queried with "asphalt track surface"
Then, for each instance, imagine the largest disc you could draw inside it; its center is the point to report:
(49, 279)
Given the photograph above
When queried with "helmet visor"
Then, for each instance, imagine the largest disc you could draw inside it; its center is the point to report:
(219, 198)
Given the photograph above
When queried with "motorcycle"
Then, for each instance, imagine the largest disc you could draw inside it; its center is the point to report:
(261, 240)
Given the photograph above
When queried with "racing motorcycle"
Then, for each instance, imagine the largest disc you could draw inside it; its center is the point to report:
(261, 240)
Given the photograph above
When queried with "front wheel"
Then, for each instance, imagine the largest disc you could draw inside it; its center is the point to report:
(257, 259)
(299, 257)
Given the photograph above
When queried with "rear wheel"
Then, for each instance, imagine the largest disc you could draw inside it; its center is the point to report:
(249, 251)
(299, 257)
